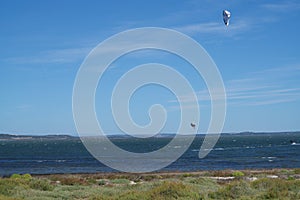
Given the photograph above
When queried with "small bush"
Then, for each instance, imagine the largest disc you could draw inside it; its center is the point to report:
(205, 185)
(73, 181)
(6, 187)
(97, 197)
(297, 171)
(132, 195)
(287, 172)
(172, 190)
(91, 181)
(266, 183)
(16, 176)
(200, 181)
(234, 190)
(120, 181)
(221, 173)
(238, 174)
(26, 177)
(41, 184)
(277, 188)
(102, 182)
(21, 178)
(150, 177)
(6, 198)
(187, 175)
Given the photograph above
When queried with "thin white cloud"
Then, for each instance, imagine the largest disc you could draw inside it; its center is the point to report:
(59, 56)
(269, 101)
(201, 28)
(279, 71)
(256, 90)
(214, 28)
(262, 96)
(283, 6)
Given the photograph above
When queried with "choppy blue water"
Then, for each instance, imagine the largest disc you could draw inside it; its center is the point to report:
(239, 151)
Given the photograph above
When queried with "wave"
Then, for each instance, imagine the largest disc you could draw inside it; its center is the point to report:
(270, 157)
(245, 147)
(295, 144)
(57, 161)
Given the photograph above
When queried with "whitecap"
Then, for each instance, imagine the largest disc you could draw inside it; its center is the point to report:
(60, 160)
(219, 149)
(295, 144)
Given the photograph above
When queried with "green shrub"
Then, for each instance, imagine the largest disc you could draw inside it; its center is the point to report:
(120, 181)
(297, 171)
(265, 183)
(287, 171)
(6, 186)
(235, 190)
(238, 174)
(200, 181)
(132, 195)
(16, 176)
(187, 175)
(73, 181)
(26, 177)
(220, 173)
(277, 188)
(41, 184)
(6, 198)
(172, 190)
(91, 181)
(102, 182)
(150, 177)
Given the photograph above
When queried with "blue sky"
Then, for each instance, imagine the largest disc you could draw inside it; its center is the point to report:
(43, 44)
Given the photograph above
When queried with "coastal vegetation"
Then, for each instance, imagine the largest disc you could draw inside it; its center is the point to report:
(225, 184)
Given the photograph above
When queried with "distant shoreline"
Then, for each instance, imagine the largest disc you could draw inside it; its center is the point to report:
(120, 135)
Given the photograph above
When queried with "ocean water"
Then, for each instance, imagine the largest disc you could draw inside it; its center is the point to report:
(233, 151)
